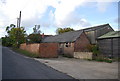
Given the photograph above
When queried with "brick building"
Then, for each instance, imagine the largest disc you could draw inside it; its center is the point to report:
(70, 42)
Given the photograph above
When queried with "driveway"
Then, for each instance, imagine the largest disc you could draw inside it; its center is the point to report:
(16, 66)
(83, 69)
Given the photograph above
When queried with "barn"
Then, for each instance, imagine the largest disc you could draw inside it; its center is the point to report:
(70, 43)
(109, 44)
(96, 31)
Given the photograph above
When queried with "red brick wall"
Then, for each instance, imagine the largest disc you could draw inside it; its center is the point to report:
(48, 50)
(81, 43)
(33, 48)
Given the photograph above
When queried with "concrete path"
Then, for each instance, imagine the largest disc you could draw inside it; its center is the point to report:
(16, 66)
(83, 69)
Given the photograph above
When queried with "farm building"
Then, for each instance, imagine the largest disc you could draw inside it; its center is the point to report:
(109, 44)
(94, 32)
(70, 42)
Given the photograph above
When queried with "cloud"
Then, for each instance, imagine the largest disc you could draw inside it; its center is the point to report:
(33, 12)
(65, 8)
(72, 19)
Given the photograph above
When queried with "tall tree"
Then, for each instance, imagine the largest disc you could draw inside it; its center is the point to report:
(16, 35)
(36, 29)
(63, 30)
(35, 37)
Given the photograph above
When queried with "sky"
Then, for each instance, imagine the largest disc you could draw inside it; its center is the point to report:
(52, 14)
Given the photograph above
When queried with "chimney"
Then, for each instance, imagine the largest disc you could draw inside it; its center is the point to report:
(42, 35)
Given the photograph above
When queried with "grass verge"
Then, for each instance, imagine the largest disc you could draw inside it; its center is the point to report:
(26, 53)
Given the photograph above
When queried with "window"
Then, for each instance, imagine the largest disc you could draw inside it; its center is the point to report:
(67, 44)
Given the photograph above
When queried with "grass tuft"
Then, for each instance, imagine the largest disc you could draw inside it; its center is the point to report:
(26, 53)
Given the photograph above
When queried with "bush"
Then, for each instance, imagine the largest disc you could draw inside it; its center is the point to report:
(93, 48)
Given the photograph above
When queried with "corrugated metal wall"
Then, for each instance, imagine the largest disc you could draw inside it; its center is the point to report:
(109, 47)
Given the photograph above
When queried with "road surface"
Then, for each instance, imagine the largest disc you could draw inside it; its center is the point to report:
(16, 66)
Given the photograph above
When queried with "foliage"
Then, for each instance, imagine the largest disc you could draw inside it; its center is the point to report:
(36, 29)
(15, 37)
(26, 53)
(6, 41)
(35, 37)
(104, 60)
(8, 28)
(63, 30)
(94, 49)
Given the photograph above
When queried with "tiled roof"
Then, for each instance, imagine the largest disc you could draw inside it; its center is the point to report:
(64, 37)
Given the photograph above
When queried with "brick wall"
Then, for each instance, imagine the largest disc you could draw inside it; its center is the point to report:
(48, 50)
(45, 50)
(33, 48)
(81, 43)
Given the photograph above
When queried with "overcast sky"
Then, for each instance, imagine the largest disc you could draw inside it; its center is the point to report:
(51, 14)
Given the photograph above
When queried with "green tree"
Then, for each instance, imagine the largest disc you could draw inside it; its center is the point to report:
(63, 30)
(15, 35)
(6, 41)
(35, 37)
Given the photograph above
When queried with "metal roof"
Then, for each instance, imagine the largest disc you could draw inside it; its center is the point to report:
(112, 34)
(64, 37)
(96, 27)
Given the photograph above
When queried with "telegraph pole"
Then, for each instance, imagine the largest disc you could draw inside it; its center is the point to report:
(20, 19)
(18, 26)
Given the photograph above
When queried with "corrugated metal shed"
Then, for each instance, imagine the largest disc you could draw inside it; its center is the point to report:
(109, 44)
(112, 34)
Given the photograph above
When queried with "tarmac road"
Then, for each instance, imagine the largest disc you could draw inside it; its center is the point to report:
(16, 66)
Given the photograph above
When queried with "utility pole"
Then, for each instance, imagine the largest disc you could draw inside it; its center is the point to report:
(20, 19)
(18, 26)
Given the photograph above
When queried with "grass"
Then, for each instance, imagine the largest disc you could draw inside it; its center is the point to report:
(103, 60)
(26, 53)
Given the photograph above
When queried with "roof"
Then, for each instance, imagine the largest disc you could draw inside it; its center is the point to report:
(96, 27)
(112, 34)
(64, 37)
(71, 36)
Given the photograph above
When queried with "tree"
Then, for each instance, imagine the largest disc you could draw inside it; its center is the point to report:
(63, 30)
(36, 29)
(35, 37)
(15, 35)
(6, 41)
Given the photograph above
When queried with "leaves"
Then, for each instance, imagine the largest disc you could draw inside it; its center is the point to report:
(16, 36)
(63, 30)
